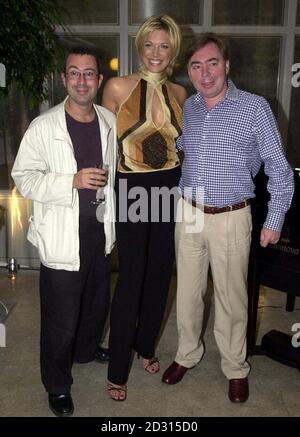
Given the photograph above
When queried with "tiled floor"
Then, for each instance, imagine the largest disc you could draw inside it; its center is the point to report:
(274, 388)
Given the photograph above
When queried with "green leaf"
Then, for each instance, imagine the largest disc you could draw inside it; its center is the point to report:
(29, 46)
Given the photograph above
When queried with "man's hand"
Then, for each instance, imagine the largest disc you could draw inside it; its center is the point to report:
(267, 236)
(91, 178)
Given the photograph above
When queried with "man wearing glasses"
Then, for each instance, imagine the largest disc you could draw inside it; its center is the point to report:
(58, 166)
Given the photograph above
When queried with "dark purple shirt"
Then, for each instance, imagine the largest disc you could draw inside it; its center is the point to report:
(86, 142)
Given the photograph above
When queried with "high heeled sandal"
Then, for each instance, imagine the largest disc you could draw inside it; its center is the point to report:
(152, 362)
(120, 389)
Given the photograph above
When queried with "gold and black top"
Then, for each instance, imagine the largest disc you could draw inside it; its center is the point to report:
(143, 146)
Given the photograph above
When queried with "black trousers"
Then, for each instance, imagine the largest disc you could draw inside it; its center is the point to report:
(74, 307)
(146, 255)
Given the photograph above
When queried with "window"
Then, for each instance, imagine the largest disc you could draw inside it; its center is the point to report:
(91, 11)
(255, 65)
(178, 9)
(245, 12)
(15, 116)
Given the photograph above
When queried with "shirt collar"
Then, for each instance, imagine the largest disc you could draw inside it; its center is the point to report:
(232, 93)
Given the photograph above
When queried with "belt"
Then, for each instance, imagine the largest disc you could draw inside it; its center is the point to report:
(214, 210)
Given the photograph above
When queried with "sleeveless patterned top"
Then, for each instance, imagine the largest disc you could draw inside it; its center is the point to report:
(143, 146)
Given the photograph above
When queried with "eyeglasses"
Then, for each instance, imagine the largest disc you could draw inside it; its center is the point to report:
(88, 75)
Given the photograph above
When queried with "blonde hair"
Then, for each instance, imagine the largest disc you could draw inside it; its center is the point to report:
(162, 22)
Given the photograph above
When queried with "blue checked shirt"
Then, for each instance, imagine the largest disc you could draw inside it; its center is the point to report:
(224, 149)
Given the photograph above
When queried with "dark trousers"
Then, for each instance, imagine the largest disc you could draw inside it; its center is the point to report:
(146, 255)
(74, 307)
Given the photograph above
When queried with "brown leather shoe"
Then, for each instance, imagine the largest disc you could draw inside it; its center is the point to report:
(174, 373)
(238, 390)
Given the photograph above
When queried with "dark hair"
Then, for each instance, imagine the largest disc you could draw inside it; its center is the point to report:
(202, 40)
(82, 51)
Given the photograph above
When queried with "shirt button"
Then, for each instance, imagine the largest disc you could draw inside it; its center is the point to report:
(203, 137)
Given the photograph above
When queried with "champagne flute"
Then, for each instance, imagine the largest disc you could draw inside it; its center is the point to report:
(100, 196)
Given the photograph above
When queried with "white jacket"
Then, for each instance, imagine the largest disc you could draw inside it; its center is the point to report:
(43, 172)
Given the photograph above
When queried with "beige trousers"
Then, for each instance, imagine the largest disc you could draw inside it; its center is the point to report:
(223, 242)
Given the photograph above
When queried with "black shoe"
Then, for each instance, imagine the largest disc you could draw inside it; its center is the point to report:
(61, 404)
(102, 354)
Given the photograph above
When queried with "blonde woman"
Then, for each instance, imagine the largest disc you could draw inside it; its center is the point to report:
(148, 109)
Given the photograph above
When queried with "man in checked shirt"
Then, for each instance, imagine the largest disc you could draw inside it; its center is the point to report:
(227, 134)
